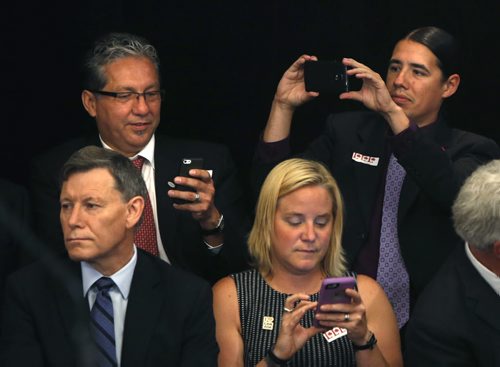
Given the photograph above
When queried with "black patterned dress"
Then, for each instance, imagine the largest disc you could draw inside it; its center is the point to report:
(261, 308)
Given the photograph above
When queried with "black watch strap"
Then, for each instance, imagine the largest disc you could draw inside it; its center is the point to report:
(273, 361)
(369, 345)
(218, 229)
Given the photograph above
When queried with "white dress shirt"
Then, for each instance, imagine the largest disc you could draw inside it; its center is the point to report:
(490, 277)
(148, 174)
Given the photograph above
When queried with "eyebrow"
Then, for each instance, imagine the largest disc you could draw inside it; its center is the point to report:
(289, 214)
(84, 199)
(412, 64)
(154, 86)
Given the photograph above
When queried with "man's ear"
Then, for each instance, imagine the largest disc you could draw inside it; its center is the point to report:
(135, 207)
(496, 249)
(451, 85)
(89, 102)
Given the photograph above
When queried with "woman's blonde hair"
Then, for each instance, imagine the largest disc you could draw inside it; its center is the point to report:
(286, 177)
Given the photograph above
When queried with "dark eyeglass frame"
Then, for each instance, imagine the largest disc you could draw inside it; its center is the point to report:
(125, 94)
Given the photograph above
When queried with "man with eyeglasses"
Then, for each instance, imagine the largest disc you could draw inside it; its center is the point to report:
(205, 233)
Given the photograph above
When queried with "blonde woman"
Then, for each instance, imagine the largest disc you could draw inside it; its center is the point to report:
(264, 316)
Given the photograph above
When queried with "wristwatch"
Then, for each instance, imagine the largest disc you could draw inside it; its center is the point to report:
(218, 229)
(273, 361)
(369, 345)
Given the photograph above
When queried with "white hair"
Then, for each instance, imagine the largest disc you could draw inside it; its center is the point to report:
(476, 211)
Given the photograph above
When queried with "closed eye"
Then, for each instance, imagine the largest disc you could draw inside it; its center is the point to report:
(322, 221)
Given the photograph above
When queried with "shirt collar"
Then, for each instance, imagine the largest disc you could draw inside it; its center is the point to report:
(491, 278)
(147, 152)
(122, 278)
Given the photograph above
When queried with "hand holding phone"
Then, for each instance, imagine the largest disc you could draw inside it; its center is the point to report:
(326, 77)
(333, 291)
(185, 166)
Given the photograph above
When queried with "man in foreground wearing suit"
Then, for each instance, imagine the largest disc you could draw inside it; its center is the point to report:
(122, 91)
(14, 223)
(456, 320)
(160, 315)
(399, 166)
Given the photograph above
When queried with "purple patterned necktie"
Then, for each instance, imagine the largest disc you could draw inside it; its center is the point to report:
(391, 272)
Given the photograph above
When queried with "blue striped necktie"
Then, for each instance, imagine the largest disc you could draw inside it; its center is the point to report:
(102, 324)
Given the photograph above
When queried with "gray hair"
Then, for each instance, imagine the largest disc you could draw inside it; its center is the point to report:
(128, 179)
(476, 211)
(111, 47)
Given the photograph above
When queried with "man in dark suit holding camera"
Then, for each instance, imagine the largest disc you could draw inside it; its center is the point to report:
(122, 92)
(399, 166)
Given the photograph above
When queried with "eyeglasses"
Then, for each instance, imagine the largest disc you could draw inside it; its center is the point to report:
(126, 97)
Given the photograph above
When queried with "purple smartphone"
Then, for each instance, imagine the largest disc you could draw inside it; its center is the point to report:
(333, 291)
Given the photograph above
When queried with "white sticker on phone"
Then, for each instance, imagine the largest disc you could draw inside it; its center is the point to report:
(335, 333)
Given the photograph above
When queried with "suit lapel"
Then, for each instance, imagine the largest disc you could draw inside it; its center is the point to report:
(73, 308)
(166, 168)
(410, 189)
(409, 193)
(371, 142)
(481, 299)
(69, 295)
(143, 311)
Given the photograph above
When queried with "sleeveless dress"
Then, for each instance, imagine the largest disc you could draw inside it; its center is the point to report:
(261, 308)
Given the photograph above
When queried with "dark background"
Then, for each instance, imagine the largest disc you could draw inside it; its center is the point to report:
(221, 61)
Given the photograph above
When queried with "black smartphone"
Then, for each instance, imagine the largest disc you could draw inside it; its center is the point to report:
(333, 291)
(185, 165)
(326, 77)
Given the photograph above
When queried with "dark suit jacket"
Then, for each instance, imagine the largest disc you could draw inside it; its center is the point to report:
(456, 320)
(180, 233)
(169, 319)
(436, 166)
(14, 221)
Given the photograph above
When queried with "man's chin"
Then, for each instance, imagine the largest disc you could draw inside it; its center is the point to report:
(79, 254)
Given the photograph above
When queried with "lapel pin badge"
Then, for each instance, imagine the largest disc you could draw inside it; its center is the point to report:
(365, 159)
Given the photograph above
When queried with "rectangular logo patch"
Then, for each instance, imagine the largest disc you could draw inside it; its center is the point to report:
(365, 159)
(268, 323)
(335, 333)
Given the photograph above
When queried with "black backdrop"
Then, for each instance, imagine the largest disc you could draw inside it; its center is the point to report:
(221, 61)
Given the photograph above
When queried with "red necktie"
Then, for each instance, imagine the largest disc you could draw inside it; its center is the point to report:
(145, 237)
